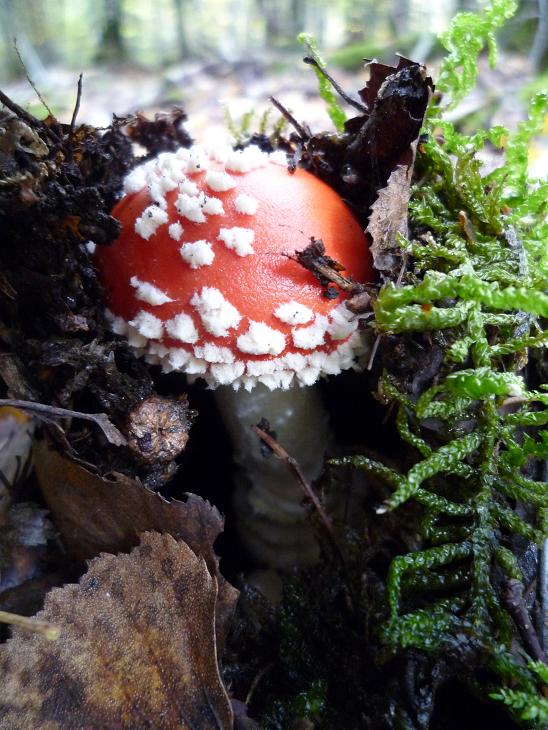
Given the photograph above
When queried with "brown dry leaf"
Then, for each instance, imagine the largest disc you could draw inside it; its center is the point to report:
(95, 514)
(136, 650)
(388, 218)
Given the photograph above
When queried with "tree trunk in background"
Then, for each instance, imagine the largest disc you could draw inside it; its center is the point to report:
(466, 6)
(112, 47)
(398, 17)
(540, 44)
(25, 25)
(296, 21)
(362, 21)
(271, 16)
(183, 45)
(8, 28)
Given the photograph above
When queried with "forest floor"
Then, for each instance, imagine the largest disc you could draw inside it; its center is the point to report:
(207, 91)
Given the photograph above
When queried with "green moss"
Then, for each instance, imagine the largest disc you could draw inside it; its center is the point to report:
(479, 263)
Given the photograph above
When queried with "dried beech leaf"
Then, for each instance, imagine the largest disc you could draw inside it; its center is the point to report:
(136, 650)
(95, 514)
(388, 218)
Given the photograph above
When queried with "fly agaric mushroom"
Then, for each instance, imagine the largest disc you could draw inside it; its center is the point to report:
(200, 281)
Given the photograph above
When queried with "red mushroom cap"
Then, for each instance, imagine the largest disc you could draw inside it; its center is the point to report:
(199, 279)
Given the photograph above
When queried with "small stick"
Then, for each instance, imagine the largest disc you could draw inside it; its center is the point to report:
(374, 352)
(26, 117)
(19, 111)
(378, 339)
(512, 597)
(329, 273)
(100, 419)
(31, 82)
(76, 108)
(294, 467)
(340, 91)
(44, 628)
(260, 674)
(290, 118)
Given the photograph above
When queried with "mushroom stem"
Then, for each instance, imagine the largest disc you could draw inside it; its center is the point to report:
(271, 519)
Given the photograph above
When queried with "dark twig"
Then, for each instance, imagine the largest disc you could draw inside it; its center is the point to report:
(260, 674)
(31, 82)
(327, 272)
(19, 111)
(379, 337)
(100, 419)
(340, 91)
(26, 117)
(76, 110)
(324, 268)
(290, 118)
(295, 469)
(512, 597)
(374, 352)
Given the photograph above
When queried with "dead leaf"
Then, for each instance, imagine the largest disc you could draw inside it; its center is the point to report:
(96, 514)
(388, 218)
(136, 649)
(359, 163)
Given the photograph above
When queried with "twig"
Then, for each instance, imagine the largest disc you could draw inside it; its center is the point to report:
(26, 117)
(512, 597)
(379, 337)
(76, 110)
(340, 91)
(290, 118)
(324, 268)
(329, 273)
(374, 352)
(31, 82)
(256, 679)
(100, 419)
(294, 467)
(47, 630)
(19, 111)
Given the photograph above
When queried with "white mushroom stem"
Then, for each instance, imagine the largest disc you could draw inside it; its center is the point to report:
(271, 519)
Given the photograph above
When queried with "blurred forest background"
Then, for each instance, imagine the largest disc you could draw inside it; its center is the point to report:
(209, 55)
